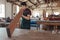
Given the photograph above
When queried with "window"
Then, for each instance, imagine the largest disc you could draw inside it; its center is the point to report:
(2, 11)
(35, 13)
(17, 8)
(46, 14)
(56, 13)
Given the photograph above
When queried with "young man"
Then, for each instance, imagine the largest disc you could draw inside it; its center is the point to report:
(25, 17)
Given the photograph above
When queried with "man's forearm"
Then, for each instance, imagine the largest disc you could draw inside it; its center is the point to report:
(26, 17)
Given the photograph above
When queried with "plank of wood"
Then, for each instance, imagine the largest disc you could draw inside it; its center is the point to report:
(11, 27)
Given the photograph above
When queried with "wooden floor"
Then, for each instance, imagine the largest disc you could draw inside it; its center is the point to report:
(21, 34)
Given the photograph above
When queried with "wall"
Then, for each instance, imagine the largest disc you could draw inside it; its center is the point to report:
(14, 8)
(8, 9)
(2, 1)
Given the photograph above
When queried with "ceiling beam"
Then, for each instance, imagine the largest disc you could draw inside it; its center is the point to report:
(31, 2)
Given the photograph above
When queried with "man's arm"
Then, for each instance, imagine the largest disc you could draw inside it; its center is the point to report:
(26, 17)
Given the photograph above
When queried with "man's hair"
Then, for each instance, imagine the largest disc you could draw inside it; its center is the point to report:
(23, 3)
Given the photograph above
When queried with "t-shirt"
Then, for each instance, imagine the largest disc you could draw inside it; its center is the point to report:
(25, 22)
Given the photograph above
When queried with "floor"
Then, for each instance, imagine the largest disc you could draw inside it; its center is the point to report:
(23, 34)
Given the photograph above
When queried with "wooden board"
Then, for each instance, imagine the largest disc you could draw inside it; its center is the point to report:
(11, 27)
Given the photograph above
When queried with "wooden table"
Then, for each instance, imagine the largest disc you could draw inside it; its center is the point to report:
(54, 23)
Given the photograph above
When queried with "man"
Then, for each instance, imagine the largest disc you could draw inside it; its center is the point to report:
(25, 16)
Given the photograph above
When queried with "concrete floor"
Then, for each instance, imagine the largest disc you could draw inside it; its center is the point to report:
(22, 34)
(17, 32)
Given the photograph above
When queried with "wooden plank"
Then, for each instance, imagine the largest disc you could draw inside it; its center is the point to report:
(49, 22)
(11, 27)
